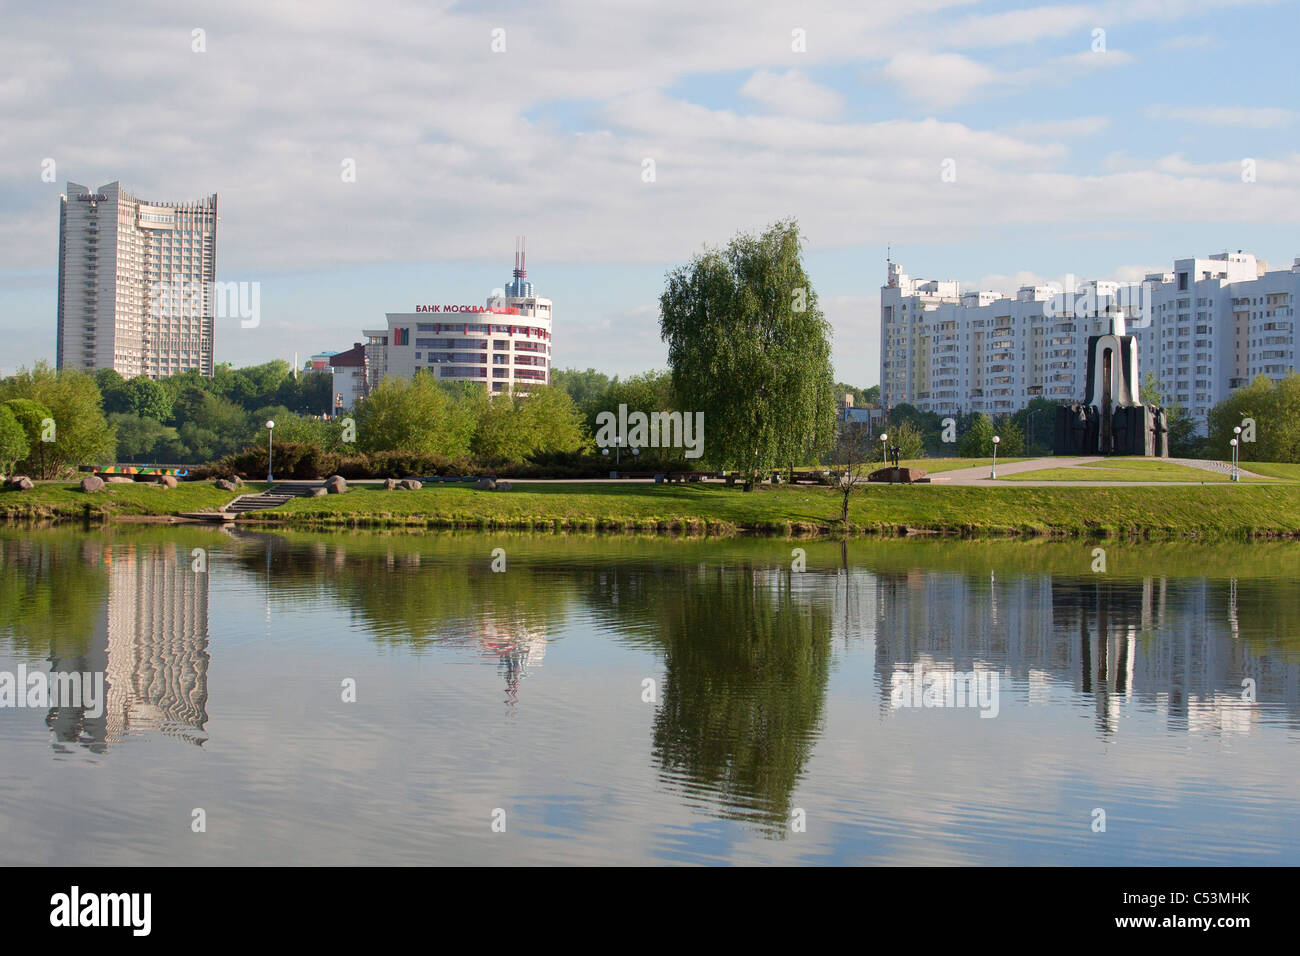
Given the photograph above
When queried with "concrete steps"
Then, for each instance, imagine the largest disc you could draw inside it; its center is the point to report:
(273, 497)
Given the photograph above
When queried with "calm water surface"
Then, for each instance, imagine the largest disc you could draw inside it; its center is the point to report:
(642, 700)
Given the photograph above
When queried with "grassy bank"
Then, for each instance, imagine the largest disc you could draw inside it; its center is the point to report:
(1215, 510)
(1212, 511)
(59, 500)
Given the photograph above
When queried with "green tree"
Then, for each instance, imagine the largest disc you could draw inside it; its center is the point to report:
(80, 433)
(141, 439)
(1037, 422)
(148, 399)
(520, 427)
(210, 426)
(583, 387)
(31, 418)
(413, 415)
(113, 392)
(1274, 409)
(749, 347)
(1181, 436)
(910, 441)
(14, 445)
(977, 440)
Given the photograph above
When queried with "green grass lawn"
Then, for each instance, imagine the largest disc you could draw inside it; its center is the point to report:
(1213, 510)
(1174, 511)
(929, 465)
(936, 465)
(56, 499)
(1288, 471)
(1120, 469)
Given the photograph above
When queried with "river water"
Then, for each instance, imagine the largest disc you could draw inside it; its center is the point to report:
(511, 698)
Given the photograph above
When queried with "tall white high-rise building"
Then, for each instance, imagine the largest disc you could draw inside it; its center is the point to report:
(135, 283)
(1205, 328)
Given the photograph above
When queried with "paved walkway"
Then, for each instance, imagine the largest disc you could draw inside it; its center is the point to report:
(979, 477)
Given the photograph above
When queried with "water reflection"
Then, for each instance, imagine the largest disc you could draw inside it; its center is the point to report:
(746, 657)
(752, 660)
(141, 621)
(1172, 647)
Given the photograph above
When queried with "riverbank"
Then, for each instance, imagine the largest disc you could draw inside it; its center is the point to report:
(1210, 511)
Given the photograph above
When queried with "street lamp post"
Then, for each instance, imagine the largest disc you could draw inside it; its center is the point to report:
(1236, 454)
(996, 441)
(883, 439)
(270, 429)
(1232, 475)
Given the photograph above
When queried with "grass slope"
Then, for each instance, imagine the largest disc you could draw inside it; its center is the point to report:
(1212, 510)
(67, 500)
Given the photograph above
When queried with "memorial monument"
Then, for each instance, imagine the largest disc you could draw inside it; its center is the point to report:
(1112, 420)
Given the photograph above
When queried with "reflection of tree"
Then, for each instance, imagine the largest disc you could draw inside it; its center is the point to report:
(746, 663)
(417, 591)
(53, 588)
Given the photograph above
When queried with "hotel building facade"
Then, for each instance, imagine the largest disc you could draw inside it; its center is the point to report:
(1207, 327)
(135, 283)
(504, 344)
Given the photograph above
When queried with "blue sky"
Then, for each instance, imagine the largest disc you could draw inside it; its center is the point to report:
(1071, 156)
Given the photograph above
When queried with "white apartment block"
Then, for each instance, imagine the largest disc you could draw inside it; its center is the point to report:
(135, 283)
(505, 344)
(1207, 327)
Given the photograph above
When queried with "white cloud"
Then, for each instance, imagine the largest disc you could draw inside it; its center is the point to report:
(793, 94)
(1257, 117)
(1079, 126)
(945, 80)
(939, 80)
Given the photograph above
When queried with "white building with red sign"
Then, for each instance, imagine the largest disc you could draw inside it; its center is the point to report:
(505, 344)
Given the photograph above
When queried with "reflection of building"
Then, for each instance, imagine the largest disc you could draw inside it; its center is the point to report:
(152, 648)
(516, 648)
(1168, 645)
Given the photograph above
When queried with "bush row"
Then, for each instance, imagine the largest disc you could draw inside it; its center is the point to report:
(303, 461)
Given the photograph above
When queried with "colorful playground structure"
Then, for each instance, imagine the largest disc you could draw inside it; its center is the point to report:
(137, 471)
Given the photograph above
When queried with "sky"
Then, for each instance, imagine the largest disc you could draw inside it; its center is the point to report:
(994, 143)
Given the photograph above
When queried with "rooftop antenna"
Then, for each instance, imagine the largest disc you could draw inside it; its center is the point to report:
(520, 270)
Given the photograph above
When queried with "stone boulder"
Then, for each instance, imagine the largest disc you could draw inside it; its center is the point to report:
(119, 480)
(319, 492)
(92, 483)
(502, 486)
(409, 484)
(898, 476)
(485, 484)
(167, 481)
(390, 484)
(336, 484)
(225, 484)
(19, 483)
